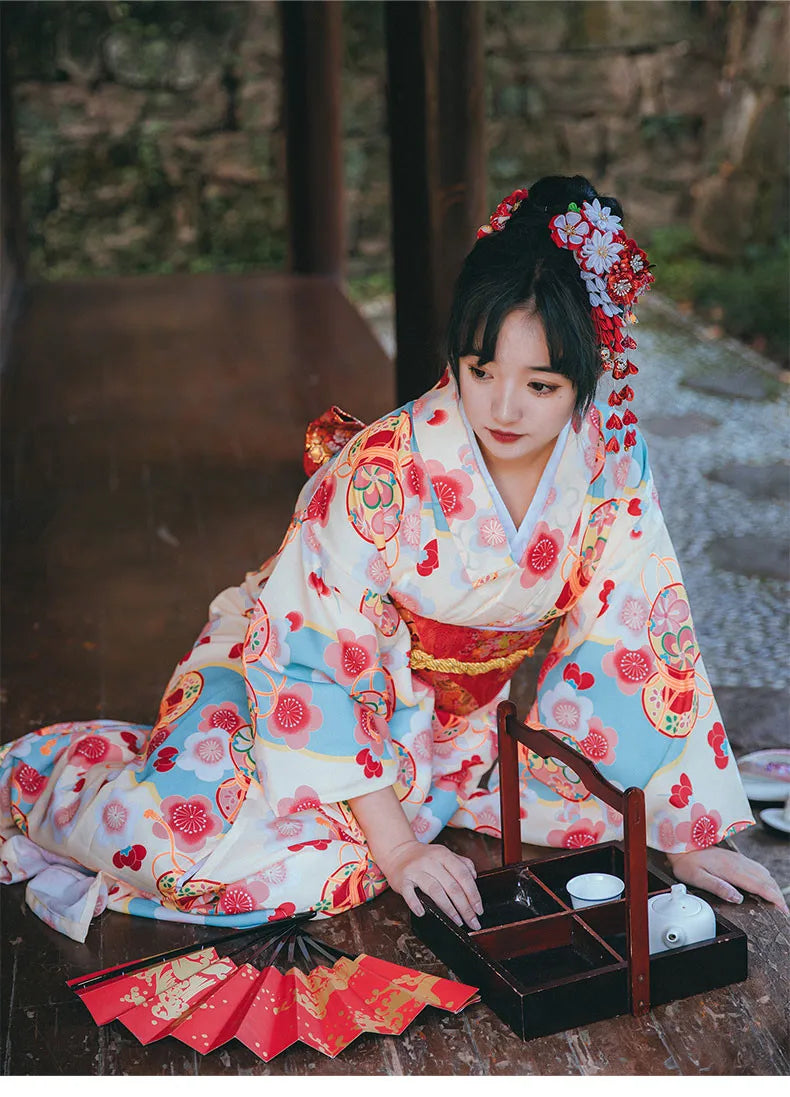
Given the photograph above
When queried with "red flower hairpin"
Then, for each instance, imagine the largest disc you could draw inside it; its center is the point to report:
(616, 272)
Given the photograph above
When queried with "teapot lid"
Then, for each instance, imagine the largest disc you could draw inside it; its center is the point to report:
(678, 902)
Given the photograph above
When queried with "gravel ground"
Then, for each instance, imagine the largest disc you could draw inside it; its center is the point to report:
(741, 620)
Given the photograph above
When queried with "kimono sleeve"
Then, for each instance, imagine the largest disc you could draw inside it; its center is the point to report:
(625, 682)
(321, 656)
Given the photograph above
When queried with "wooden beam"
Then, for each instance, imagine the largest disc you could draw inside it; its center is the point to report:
(435, 65)
(312, 51)
(462, 152)
(13, 242)
(411, 31)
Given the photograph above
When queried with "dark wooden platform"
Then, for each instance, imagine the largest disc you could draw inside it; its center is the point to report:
(151, 455)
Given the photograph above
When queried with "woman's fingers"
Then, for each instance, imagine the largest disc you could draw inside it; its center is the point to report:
(716, 886)
(412, 902)
(462, 900)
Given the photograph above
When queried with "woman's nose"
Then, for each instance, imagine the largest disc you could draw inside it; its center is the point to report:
(505, 406)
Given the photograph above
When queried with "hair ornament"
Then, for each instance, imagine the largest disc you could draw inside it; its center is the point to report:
(615, 271)
(502, 214)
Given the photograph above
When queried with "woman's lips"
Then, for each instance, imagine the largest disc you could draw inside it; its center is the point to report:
(503, 435)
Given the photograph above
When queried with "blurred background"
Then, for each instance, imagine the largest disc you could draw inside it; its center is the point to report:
(151, 138)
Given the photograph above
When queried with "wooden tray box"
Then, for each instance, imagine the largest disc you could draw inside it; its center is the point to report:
(544, 967)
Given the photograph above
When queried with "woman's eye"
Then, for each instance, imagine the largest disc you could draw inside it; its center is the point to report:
(542, 389)
(478, 372)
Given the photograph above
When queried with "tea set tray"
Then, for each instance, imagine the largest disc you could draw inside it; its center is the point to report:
(543, 966)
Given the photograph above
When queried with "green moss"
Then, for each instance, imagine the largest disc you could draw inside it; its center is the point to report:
(367, 287)
(748, 297)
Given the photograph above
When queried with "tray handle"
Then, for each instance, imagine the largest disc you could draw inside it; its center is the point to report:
(631, 805)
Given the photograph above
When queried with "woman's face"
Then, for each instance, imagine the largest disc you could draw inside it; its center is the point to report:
(516, 404)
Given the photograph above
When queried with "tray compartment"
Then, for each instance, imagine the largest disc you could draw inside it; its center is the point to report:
(679, 972)
(512, 894)
(555, 872)
(539, 976)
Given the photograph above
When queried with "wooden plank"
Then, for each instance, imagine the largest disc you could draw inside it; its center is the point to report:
(312, 59)
(461, 140)
(411, 36)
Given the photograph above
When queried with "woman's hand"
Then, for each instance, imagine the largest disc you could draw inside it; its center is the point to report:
(716, 870)
(447, 878)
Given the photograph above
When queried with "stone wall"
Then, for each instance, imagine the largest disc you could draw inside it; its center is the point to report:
(151, 138)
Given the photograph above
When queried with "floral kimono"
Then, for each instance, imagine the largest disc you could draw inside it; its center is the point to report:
(371, 651)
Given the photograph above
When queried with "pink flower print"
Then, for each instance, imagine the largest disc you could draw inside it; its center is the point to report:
(599, 742)
(564, 708)
(701, 831)
(224, 718)
(581, 833)
(351, 656)
(666, 834)
(422, 747)
(633, 613)
(115, 821)
(63, 816)
(621, 471)
(491, 532)
(318, 507)
(453, 490)
(420, 824)
(631, 667)
(30, 781)
(541, 555)
(304, 798)
(90, 749)
(275, 874)
(294, 719)
(310, 539)
(206, 755)
(370, 729)
(487, 822)
(410, 529)
(670, 610)
(288, 827)
(244, 896)
(414, 479)
(378, 572)
(192, 821)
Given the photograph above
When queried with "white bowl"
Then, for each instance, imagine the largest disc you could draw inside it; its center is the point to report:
(594, 887)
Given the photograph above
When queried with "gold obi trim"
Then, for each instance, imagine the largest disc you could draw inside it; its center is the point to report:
(423, 660)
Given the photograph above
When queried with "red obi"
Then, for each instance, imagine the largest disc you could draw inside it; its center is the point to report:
(466, 667)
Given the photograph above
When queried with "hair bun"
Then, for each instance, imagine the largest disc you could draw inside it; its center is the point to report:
(554, 193)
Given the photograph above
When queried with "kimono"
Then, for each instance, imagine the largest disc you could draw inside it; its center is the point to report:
(371, 651)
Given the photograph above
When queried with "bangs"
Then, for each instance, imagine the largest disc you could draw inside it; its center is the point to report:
(478, 315)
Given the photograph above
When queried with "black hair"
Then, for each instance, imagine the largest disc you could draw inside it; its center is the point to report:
(520, 267)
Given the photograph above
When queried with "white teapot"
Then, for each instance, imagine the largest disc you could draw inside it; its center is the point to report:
(678, 919)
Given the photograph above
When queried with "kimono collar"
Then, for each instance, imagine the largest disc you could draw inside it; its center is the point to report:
(461, 484)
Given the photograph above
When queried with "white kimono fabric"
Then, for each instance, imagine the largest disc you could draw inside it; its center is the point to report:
(316, 681)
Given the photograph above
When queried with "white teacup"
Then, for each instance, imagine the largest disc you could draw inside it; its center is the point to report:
(594, 887)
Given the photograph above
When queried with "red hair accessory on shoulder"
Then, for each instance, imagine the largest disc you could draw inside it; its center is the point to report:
(614, 270)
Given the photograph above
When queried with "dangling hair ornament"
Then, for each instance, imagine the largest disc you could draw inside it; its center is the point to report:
(616, 272)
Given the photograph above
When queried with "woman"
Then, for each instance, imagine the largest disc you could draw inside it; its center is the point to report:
(338, 709)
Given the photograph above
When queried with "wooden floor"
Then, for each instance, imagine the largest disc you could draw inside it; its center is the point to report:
(151, 455)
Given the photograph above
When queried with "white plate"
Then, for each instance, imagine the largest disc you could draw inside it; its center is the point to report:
(772, 817)
(767, 788)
